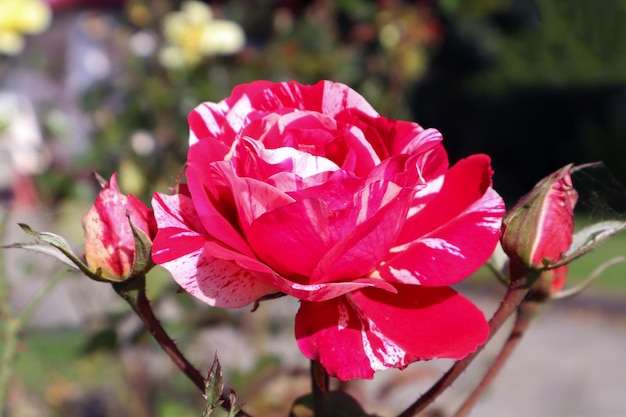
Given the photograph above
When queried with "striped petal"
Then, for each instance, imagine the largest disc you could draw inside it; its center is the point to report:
(454, 234)
(370, 330)
(179, 248)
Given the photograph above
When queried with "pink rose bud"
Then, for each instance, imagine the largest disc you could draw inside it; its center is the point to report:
(119, 230)
(539, 229)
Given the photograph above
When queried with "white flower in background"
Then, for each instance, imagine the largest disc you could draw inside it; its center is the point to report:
(22, 148)
(20, 17)
(192, 33)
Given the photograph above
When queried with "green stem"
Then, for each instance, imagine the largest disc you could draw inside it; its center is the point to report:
(526, 311)
(24, 315)
(7, 326)
(9, 338)
(134, 292)
(513, 297)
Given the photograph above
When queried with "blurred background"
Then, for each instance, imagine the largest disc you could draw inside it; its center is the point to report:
(106, 85)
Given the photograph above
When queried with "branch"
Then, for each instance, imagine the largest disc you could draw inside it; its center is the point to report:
(526, 311)
(134, 292)
(513, 297)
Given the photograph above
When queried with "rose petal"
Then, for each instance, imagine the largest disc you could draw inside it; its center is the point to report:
(302, 291)
(325, 97)
(224, 120)
(309, 239)
(292, 239)
(454, 234)
(252, 198)
(253, 160)
(382, 210)
(370, 330)
(212, 199)
(180, 250)
(303, 130)
(361, 157)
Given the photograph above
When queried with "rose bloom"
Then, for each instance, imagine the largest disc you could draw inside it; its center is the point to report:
(307, 191)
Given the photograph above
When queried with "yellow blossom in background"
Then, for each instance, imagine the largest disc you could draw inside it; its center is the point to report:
(18, 18)
(192, 33)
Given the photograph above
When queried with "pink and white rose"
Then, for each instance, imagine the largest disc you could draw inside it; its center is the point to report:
(306, 190)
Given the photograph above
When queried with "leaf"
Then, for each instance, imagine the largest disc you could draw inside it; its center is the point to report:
(58, 242)
(45, 249)
(588, 239)
(594, 235)
(234, 407)
(335, 403)
(213, 387)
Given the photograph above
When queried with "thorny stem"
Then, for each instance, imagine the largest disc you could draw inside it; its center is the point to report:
(319, 386)
(526, 311)
(134, 292)
(513, 297)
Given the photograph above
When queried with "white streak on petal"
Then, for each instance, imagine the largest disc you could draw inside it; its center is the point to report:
(238, 114)
(365, 195)
(491, 223)
(389, 356)
(206, 112)
(400, 248)
(440, 244)
(344, 317)
(308, 287)
(392, 354)
(404, 275)
(432, 187)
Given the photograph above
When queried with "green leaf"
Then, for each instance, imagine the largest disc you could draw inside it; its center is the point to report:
(214, 387)
(588, 239)
(335, 403)
(58, 242)
(594, 235)
(234, 407)
(45, 249)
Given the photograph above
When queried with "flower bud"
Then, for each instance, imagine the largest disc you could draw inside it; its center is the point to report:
(119, 230)
(539, 229)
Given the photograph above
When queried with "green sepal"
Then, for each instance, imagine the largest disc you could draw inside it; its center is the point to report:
(142, 263)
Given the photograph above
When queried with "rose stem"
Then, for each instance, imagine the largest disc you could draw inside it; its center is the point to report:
(526, 311)
(319, 386)
(134, 292)
(515, 294)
